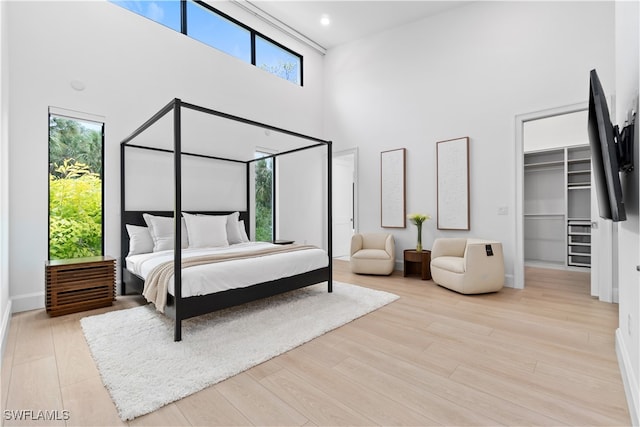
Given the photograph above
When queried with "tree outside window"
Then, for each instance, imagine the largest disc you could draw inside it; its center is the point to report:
(279, 61)
(75, 188)
(264, 198)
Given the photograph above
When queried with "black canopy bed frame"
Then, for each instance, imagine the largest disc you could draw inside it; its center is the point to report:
(180, 308)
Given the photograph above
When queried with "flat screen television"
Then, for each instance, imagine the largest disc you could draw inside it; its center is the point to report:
(604, 154)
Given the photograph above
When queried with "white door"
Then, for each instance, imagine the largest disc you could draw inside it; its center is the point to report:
(343, 192)
(595, 240)
(603, 252)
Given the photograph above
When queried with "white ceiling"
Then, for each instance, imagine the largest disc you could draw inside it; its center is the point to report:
(350, 19)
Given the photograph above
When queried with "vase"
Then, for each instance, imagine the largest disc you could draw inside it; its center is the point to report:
(419, 245)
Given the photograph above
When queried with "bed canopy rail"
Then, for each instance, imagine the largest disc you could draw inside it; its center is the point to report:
(183, 308)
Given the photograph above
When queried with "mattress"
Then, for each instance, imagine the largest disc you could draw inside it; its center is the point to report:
(231, 274)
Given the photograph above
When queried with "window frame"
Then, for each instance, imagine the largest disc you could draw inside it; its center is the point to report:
(253, 33)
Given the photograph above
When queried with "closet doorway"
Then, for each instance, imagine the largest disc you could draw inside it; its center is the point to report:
(558, 225)
(344, 191)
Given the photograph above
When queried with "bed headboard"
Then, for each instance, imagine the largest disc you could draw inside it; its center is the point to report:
(135, 218)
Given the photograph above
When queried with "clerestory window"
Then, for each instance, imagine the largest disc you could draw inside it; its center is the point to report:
(204, 23)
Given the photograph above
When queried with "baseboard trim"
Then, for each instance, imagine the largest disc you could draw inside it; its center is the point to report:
(628, 378)
(508, 281)
(27, 302)
(6, 324)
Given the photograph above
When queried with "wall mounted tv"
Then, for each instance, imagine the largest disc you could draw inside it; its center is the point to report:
(611, 153)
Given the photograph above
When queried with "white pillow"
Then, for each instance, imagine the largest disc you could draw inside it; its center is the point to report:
(140, 241)
(243, 231)
(206, 231)
(161, 230)
(233, 231)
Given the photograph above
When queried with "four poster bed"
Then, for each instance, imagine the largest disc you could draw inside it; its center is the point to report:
(190, 263)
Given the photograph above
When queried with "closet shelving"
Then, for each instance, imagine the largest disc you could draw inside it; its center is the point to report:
(544, 207)
(557, 207)
(578, 206)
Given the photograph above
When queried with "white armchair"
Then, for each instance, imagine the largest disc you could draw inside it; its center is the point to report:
(468, 266)
(373, 253)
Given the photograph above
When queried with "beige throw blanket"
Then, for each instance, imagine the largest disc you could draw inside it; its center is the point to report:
(156, 285)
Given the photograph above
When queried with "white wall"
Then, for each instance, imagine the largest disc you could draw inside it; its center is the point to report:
(301, 210)
(5, 303)
(466, 72)
(564, 130)
(627, 16)
(206, 184)
(131, 67)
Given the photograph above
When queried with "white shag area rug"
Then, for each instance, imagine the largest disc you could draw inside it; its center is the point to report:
(144, 369)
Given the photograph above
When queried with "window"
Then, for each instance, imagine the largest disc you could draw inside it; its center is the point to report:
(264, 197)
(165, 12)
(218, 32)
(75, 187)
(278, 60)
(212, 27)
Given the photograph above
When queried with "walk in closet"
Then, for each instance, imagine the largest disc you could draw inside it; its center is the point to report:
(557, 207)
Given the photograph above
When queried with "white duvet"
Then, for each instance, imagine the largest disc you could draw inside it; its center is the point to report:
(221, 276)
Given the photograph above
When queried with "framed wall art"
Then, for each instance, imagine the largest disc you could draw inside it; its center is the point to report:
(452, 163)
(393, 188)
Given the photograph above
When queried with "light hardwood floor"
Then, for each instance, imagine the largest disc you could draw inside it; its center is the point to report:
(540, 356)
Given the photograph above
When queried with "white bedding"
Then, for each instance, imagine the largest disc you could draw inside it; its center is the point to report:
(221, 276)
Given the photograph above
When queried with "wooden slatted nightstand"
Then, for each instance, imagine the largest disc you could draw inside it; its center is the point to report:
(79, 284)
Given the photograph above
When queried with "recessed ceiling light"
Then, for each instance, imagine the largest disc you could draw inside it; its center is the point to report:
(325, 20)
(77, 85)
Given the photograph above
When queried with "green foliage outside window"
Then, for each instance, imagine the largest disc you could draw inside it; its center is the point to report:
(75, 212)
(264, 197)
(69, 139)
(75, 190)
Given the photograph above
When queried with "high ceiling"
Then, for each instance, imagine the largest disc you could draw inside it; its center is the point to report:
(350, 19)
